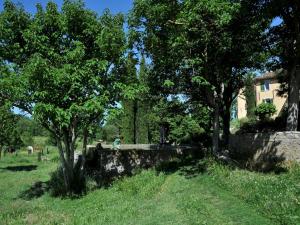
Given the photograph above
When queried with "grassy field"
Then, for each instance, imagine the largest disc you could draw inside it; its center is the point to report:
(204, 193)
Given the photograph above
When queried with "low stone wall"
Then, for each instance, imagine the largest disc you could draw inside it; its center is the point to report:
(275, 147)
(110, 163)
(149, 147)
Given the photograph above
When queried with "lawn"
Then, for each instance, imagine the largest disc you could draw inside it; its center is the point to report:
(204, 193)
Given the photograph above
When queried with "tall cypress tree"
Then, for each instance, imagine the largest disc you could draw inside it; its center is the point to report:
(136, 125)
(143, 106)
(249, 93)
(129, 119)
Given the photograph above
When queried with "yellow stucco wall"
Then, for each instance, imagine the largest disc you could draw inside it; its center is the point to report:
(278, 101)
(241, 105)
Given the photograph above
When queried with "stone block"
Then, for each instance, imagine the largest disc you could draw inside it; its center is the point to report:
(283, 145)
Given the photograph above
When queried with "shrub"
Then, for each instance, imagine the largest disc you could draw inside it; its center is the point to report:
(268, 125)
(58, 188)
(247, 125)
(253, 126)
(264, 111)
(57, 185)
(244, 121)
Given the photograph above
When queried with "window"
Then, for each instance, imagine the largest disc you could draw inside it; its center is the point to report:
(268, 100)
(265, 86)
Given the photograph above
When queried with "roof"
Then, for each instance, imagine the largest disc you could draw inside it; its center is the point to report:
(268, 75)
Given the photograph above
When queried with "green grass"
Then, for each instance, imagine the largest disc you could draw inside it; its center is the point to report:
(218, 195)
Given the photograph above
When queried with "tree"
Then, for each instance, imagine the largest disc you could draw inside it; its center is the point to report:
(178, 120)
(285, 48)
(145, 103)
(9, 135)
(136, 102)
(249, 93)
(130, 103)
(30, 126)
(204, 47)
(64, 65)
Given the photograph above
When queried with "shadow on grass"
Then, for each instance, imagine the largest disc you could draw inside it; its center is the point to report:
(263, 167)
(20, 168)
(35, 191)
(188, 167)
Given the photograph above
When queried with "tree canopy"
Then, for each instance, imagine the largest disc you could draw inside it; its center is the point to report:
(62, 64)
(204, 47)
(70, 68)
(284, 41)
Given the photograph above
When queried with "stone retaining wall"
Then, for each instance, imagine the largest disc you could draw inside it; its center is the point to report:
(110, 163)
(277, 146)
(148, 147)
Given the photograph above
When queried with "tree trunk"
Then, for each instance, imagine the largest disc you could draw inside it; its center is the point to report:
(149, 136)
(135, 109)
(293, 99)
(216, 129)
(0, 151)
(226, 126)
(84, 147)
(66, 153)
(64, 165)
(72, 146)
(162, 134)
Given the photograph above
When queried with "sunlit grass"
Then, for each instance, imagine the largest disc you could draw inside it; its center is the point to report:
(214, 195)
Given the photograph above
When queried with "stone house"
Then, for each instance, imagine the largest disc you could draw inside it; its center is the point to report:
(266, 90)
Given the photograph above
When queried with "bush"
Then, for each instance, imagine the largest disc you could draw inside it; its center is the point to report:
(265, 111)
(58, 187)
(247, 125)
(245, 121)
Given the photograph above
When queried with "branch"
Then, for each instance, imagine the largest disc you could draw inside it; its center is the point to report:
(176, 22)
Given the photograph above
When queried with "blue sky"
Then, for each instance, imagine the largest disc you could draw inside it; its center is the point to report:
(115, 6)
(276, 21)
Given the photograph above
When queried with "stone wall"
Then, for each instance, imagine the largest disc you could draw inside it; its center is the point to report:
(275, 147)
(149, 147)
(110, 163)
